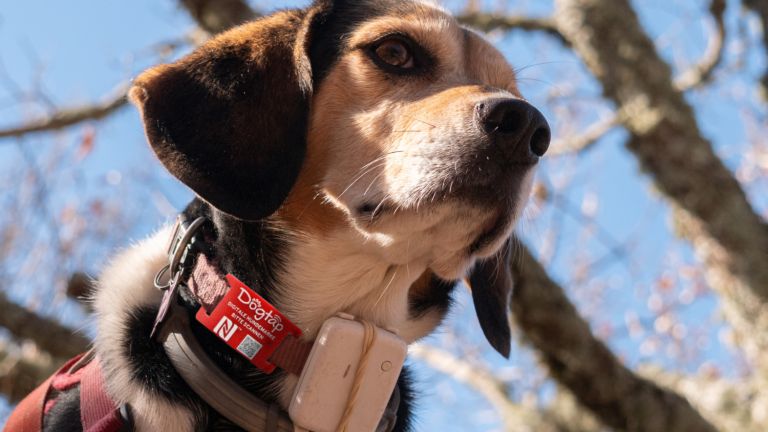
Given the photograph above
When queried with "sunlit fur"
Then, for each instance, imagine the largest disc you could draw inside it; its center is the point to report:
(367, 143)
(125, 285)
(374, 140)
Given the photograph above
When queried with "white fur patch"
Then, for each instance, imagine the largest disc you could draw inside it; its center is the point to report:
(126, 285)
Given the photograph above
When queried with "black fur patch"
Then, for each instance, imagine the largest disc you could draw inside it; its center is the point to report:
(331, 31)
(65, 414)
(438, 295)
(491, 281)
(150, 365)
(405, 411)
(230, 119)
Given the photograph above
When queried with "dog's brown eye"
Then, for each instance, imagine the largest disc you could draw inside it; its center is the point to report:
(395, 53)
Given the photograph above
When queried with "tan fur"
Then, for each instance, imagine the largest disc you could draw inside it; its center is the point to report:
(360, 116)
(365, 137)
(487, 65)
(366, 141)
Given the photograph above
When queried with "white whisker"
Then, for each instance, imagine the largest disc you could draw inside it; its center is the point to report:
(386, 288)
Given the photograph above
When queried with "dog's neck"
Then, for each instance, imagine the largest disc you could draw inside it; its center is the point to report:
(345, 275)
(308, 278)
(311, 276)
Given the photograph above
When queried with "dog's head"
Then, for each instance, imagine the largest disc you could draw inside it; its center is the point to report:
(396, 120)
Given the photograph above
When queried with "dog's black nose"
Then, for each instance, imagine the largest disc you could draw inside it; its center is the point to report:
(516, 126)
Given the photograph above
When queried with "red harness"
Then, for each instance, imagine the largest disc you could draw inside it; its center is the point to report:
(98, 412)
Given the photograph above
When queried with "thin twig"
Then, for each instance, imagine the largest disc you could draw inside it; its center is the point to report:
(488, 22)
(65, 117)
(587, 139)
(49, 335)
(21, 370)
(482, 381)
(760, 7)
(702, 72)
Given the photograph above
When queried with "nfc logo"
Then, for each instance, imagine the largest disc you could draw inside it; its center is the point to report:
(225, 328)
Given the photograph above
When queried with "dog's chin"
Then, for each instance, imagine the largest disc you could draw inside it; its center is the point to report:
(453, 234)
(494, 233)
(492, 236)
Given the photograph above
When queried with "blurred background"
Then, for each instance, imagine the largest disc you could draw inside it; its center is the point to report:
(642, 275)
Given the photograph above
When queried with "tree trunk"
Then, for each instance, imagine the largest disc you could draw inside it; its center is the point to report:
(584, 365)
(711, 210)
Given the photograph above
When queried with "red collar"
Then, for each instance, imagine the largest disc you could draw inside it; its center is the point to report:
(208, 285)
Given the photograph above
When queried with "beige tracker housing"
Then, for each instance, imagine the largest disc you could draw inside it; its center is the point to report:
(325, 384)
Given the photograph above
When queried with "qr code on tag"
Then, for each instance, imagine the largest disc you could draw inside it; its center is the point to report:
(249, 347)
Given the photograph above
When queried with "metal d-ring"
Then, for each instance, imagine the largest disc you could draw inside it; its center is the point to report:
(177, 254)
(159, 276)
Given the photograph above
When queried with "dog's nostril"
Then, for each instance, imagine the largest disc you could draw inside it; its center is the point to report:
(504, 116)
(512, 122)
(540, 141)
(516, 127)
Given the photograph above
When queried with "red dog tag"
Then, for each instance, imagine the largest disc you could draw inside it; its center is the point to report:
(248, 324)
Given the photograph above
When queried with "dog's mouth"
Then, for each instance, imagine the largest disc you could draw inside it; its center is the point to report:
(371, 209)
(492, 230)
(370, 212)
(500, 200)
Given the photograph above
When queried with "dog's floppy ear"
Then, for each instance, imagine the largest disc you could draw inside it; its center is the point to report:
(491, 284)
(230, 119)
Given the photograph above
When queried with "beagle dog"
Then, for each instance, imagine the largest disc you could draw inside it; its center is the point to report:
(353, 156)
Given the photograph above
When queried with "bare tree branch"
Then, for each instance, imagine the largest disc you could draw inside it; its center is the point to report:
(733, 403)
(212, 15)
(22, 371)
(512, 415)
(591, 135)
(760, 7)
(46, 333)
(66, 117)
(694, 77)
(585, 365)
(712, 210)
(703, 71)
(488, 22)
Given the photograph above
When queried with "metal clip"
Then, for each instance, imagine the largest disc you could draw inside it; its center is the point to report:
(178, 252)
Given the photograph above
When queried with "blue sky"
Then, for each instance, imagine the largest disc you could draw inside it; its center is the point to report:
(81, 49)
